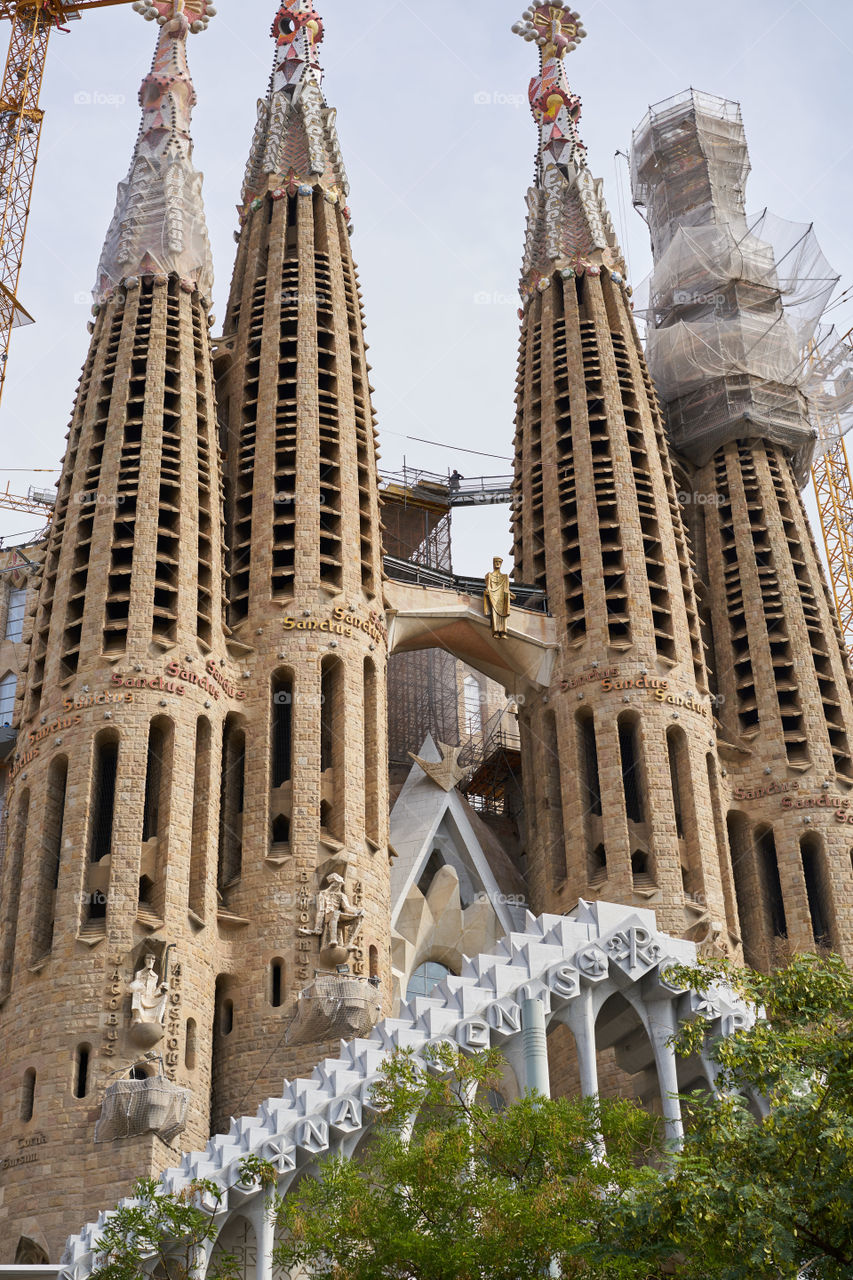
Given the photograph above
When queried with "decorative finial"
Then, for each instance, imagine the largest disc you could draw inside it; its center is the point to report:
(554, 27)
(294, 19)
(197, 13)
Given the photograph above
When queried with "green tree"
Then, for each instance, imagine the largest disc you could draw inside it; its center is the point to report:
(466, 1192)
(162, 1231)
(769, 1198)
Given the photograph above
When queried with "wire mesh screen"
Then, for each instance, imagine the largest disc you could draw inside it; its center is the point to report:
(333, 1007)
(132, 1107)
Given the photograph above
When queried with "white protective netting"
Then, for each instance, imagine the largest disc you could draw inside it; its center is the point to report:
(335, 1006)
(734, 303)
(132, 1107)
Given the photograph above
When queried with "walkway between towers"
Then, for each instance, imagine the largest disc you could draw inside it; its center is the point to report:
(452, 490)
(428, 609)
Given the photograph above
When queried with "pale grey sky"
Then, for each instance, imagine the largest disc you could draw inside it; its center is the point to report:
(439, 146)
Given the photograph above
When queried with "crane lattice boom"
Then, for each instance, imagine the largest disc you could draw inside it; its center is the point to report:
(833, 484)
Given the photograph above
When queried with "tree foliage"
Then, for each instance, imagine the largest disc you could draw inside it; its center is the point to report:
(466, 1192)
(162, 1231)
(750, 1199)
(445, 1187)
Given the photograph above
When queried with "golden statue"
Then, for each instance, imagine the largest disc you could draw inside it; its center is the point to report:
(497, 598)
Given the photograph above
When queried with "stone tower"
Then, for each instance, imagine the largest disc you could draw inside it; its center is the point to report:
(725, 352)
(120, 723)
(620, 763)
(305, 793)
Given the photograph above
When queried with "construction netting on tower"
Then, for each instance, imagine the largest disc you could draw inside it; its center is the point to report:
(734, 301)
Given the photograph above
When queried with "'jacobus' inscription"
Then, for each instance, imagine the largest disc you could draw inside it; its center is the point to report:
(114, 990)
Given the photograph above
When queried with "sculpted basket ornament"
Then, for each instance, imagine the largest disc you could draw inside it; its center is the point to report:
(132, 1107)
(335, 1006)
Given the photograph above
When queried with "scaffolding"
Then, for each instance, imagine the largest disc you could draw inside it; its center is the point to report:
(423, 695)
(734, 300)
(491, 758)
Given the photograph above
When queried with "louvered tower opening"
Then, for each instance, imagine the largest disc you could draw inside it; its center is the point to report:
(604, 484)
(832, 709)
(568, 491)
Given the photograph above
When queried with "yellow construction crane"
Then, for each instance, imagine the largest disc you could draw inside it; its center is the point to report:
(20, 132)
(833, 484)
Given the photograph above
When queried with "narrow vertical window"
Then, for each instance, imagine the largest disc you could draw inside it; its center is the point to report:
(554, 801)
(686, 818)
(8, 689)
(277, 984)
(153, 781)
(590, 788)
(81, 1071)
(768, 863)
(28, 1096)
(54, 820)
(473, 705)
(12, 892)
(103, 799)
(371, 753)
(227, 1021)
(201, 817)
(814, 874)
(632, 781)
(282, 728)
(332, 736)
(231, 807)
(373, 957)
(15, 614)
(191, 1045)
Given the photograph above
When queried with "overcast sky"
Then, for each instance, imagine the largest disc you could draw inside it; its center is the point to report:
(439, 146)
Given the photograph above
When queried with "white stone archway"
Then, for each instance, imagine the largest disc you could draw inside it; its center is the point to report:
(571, 964)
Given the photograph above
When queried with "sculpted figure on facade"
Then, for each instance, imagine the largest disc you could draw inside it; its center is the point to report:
(497, 598)
(334, 909)
(150, 995)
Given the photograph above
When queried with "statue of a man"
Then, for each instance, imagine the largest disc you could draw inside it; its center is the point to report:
(149, 994)
(334, 909)
(497, 598)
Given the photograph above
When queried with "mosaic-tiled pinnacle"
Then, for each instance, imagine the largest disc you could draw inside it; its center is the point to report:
(159, 227)
(295, 138)
(568, 223)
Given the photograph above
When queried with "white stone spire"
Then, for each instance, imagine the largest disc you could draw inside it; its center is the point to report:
(568, 225)
(158, 226)
(295, 142)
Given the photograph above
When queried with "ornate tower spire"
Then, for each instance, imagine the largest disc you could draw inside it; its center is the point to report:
(295, 137)
(306, 607)
(159, 225)
(619, 762)
(568, 222)
(116, 778)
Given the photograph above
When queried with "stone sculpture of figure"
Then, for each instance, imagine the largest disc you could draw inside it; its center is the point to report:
(333, 910)
(150, 995)
(497, 598)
